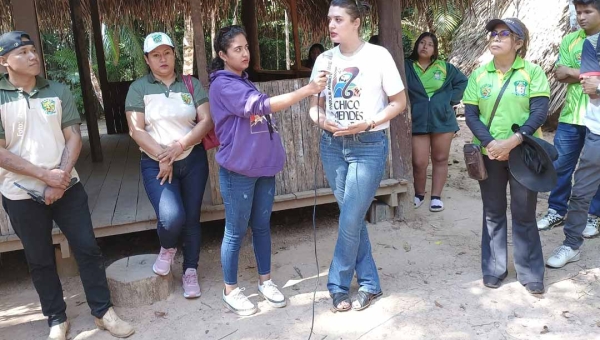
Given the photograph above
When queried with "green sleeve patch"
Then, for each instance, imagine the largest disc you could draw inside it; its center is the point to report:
(135, 97)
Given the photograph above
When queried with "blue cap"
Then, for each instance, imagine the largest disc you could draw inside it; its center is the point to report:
(13, 40)
(589, 61)
(512, 24)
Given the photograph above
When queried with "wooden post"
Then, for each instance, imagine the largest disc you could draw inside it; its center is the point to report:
(251, 26)
(390, 36)
(24, 16)
(199, 48)
(103, 76)
(298, 52)
(87, 91)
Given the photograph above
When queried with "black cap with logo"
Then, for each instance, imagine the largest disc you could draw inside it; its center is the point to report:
(13, 40)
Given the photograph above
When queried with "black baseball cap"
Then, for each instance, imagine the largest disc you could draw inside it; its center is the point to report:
(512, 23)
(13, 40)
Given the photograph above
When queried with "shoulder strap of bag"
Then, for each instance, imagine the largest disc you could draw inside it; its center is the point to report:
(187, 80)
(499, 97)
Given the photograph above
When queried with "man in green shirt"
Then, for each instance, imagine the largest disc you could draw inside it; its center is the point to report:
(571, 131)
(40, 141)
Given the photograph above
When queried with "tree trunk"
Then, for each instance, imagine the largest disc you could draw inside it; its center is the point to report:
(96, 85)
(288, 62)
(235, 11)
(213, 32)
(251, 25)
(188, 46)
(390, 36)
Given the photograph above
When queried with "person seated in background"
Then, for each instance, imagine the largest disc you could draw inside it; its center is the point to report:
(314, 51)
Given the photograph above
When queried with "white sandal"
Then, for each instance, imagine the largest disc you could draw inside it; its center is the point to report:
(436, 205)
(418, 202)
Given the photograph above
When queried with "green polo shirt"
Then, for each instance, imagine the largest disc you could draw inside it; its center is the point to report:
(31, 125)
(169, 112)
(528, 81)
(569, 55)
(433, 77)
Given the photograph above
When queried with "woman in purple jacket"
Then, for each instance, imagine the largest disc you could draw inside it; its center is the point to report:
(250, 155)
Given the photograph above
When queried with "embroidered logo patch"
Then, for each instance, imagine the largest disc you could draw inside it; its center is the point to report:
(485, 91)
(520, 87)
(157, 38)
(437, 75)
(49, 106)
(187, 98)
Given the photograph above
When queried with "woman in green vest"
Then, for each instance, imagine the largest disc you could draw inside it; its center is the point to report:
(434, 86)
(525, 103)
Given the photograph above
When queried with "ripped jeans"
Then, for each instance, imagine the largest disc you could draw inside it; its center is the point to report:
(248, 201)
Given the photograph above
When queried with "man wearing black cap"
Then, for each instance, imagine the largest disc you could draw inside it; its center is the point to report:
(40, 142)
(587, 176)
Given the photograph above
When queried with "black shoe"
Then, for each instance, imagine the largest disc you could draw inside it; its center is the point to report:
(535, 287)
(491, 281)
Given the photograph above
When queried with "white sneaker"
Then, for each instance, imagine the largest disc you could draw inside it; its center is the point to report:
(59, 332)
(592, 226)
(563, 255)
(551, 220)
(238, 303)
(269, 291)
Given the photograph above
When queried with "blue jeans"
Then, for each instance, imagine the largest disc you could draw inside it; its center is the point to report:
(177, 204)
(349, 161)
(248, 201)
(569, 140)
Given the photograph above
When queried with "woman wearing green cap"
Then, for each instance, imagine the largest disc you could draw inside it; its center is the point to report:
(524, 102)
(434, 86)
(168, 121)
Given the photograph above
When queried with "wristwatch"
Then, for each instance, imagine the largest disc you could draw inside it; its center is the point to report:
(598, 90)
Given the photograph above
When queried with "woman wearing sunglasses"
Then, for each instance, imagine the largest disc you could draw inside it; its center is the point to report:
(523, 102)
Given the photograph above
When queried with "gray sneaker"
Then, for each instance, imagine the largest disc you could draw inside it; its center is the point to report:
(592, 226)
(551, 220)
(563, 255)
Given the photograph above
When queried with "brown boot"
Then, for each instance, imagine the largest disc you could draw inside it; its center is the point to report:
(59, 332)
(114, 325)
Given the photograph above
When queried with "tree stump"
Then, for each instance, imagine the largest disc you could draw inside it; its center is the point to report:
(132, 282)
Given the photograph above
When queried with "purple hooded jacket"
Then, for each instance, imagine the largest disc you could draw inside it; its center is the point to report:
(241, 113)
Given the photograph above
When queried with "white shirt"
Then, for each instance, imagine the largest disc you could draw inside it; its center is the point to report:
(358, 86)
(592, 116)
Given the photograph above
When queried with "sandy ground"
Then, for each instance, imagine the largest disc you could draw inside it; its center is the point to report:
(429, 268)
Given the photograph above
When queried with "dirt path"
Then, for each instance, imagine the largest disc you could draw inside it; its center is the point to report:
(429, 270)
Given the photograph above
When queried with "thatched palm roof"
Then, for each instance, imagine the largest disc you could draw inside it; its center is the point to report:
(547, 21)
(312, 13)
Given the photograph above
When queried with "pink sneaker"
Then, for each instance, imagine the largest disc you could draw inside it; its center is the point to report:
(191, 288)
(162, 265)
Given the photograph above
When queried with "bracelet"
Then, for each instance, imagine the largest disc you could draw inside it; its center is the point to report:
(519, 137)
(182, 148)
(371, 126)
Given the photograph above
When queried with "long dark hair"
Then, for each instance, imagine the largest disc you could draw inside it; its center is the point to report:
(415, 53)
(222, 43)
(356, 9)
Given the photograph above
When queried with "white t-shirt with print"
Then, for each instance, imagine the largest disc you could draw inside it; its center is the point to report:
(358, 86)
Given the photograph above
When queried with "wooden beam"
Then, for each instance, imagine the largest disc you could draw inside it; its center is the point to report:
(298, 52)
(251, 26)
(87, 91)
(24, 16)
(390, 36)
(200, 50)
(103, 77)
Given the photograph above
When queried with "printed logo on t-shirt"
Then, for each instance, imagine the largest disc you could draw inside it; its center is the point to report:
(49, 106)
(344, 101)
(520, 87)
(187, 98)
(578, 58)
(437, 75)
(485, 91)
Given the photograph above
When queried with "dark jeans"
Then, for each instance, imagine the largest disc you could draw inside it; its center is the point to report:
(587, 179)
(33, 224)
(177, 204)
(569, 141)
(527, 246)
(248, 201)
